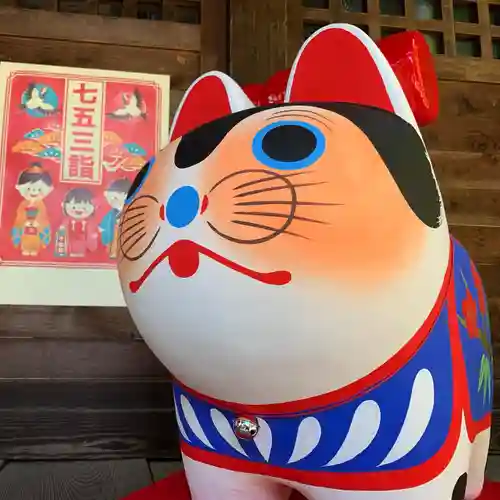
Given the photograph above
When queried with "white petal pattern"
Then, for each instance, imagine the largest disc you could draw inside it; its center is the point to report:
(308, 437)
(417, 418)
(225, 429)
(193, 422)
(364, 427)
(264, 439)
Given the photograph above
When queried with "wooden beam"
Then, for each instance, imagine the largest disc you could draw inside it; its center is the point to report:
(467, 69)
(183, 67)
(87, 419)
(82, 323)
(74, 359)
(74, 480)
(39, 24)
(262, 35)
(214, 35)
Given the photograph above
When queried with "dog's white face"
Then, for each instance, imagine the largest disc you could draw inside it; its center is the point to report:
(279, 253)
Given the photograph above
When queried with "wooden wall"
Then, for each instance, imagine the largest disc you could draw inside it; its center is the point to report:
(79, 382)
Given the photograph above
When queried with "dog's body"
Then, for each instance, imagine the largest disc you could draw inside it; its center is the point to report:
(325, 334)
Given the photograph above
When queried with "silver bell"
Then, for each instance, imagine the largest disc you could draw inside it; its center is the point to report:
(245, 427)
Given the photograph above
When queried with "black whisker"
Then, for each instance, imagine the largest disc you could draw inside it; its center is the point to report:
(128, 228)
(127, 219)
(276, 188)
(269, 178)
(282, 216)
(268, 228)
(134, 243)
(144, 250)
(133, 208)
(131, 236)
(145, 196)
(298, 203)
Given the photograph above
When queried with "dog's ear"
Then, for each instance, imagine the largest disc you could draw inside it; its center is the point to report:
(211, 96)
(341, 63)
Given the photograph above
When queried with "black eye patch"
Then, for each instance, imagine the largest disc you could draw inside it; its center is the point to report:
(396, 141)
(139, 180)
(200, 143)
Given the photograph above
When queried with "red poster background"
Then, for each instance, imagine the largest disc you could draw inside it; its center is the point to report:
(20, 153)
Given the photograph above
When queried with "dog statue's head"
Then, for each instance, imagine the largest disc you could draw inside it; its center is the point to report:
(297, 245)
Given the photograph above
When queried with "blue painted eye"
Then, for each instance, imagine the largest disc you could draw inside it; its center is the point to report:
(289, 145)
(139, 180)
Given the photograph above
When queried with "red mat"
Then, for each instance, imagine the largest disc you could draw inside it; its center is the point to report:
(175, 488)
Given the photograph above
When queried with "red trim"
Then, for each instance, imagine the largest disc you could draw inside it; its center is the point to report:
(354, 389)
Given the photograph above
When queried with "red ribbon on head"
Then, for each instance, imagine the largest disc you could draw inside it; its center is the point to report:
(412, 62)
(255, 92)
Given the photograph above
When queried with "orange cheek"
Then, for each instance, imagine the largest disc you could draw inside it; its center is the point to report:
(348, 220)
(142, 217)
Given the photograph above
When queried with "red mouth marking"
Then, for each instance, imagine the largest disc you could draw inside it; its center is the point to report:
(184, 260)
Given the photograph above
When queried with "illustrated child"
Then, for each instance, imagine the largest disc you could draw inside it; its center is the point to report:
(31, 230)
(78, 225)
(115, 195)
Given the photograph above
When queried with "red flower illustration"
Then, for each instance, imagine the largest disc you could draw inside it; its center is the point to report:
(469, 309)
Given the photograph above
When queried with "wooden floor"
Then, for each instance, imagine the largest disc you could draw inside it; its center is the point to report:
(97, 480)
(89, 480)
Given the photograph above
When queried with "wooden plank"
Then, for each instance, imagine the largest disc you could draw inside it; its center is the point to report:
(465, 167)
(249, 41)
(183, 67)
(175, 99)
(493, 468)
(110, 323)
(260, 39)
(467, 69)
(494, 310)
(482, 200)
(472, 108)
(495, 432)
(214, 25)
(490, 274)
(87, 419)
(77, 6)
(483, 242)
(39, 434)
(73, 359)
(27, 23)
(163, 469)
(86, 395)
(295, 29)
(73, 480)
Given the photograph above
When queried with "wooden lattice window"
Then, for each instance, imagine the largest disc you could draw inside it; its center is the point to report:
(182, 11)
(464, 28)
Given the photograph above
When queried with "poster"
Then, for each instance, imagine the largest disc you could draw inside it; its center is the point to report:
(72, 142)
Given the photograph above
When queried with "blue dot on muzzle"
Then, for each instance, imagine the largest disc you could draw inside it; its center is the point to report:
(182, 206)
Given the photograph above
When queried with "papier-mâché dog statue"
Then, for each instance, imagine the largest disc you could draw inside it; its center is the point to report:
(291, 265)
